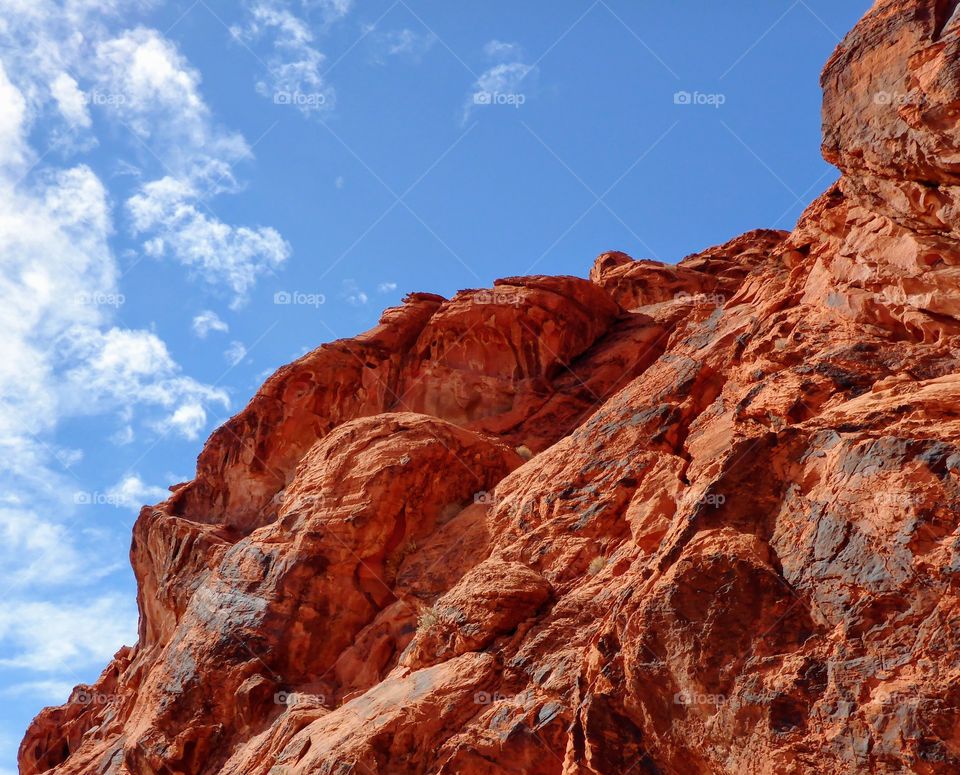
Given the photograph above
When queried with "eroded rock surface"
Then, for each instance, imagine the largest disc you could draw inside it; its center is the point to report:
(680, 519)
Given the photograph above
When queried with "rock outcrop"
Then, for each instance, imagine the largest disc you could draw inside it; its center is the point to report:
(680, 519)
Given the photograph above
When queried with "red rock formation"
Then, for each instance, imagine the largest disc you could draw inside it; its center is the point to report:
(678, 519)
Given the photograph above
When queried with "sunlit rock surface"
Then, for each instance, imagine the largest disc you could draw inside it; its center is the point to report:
(681, 519)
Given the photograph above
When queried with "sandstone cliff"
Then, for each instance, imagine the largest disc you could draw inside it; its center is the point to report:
(681, 519)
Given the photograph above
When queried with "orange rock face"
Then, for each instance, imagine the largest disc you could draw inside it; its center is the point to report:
(674, 519)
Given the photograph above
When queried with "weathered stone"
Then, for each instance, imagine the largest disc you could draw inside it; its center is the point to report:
(699, 518)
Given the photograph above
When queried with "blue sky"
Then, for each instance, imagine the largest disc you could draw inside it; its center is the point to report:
(195, 193)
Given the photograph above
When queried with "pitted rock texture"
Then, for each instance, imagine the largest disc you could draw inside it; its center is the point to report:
(680, 519)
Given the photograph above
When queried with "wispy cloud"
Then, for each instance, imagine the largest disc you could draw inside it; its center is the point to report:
(294, 64)
(38, 553)
(235, 353)
(208, 321)
(501, 51)
(403, 43)
(151, 88)
(132, 492)
(123, 368)
(222, 255)
(353, 294)
(47, 638)
(505, 83)
(187, 421)
(330, 10)
(141, 86)
(71, 102)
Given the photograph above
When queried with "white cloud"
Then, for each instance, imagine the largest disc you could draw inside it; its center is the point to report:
(57, 692)
(48, 638)
(139, 82)
(71, 101)
(61, 357)
(386, 287)
(123, 168)
(131, 492)
(66, 71)
(12, 121)
(187, 421)
(55, 260)
(69, 457)
(142, 80)
(262, 376)
(354, 294)
(499, 51)
(235, 353)
(400, 43)
(147, 72)
(53, 60)
(37, 552)
(112, 366)
(332, 10)
(208, 321)
(295, 65)
(151, 88)
(123, 368)
(218, 253)
(504, 83)
(123, 436)
(38, 556)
